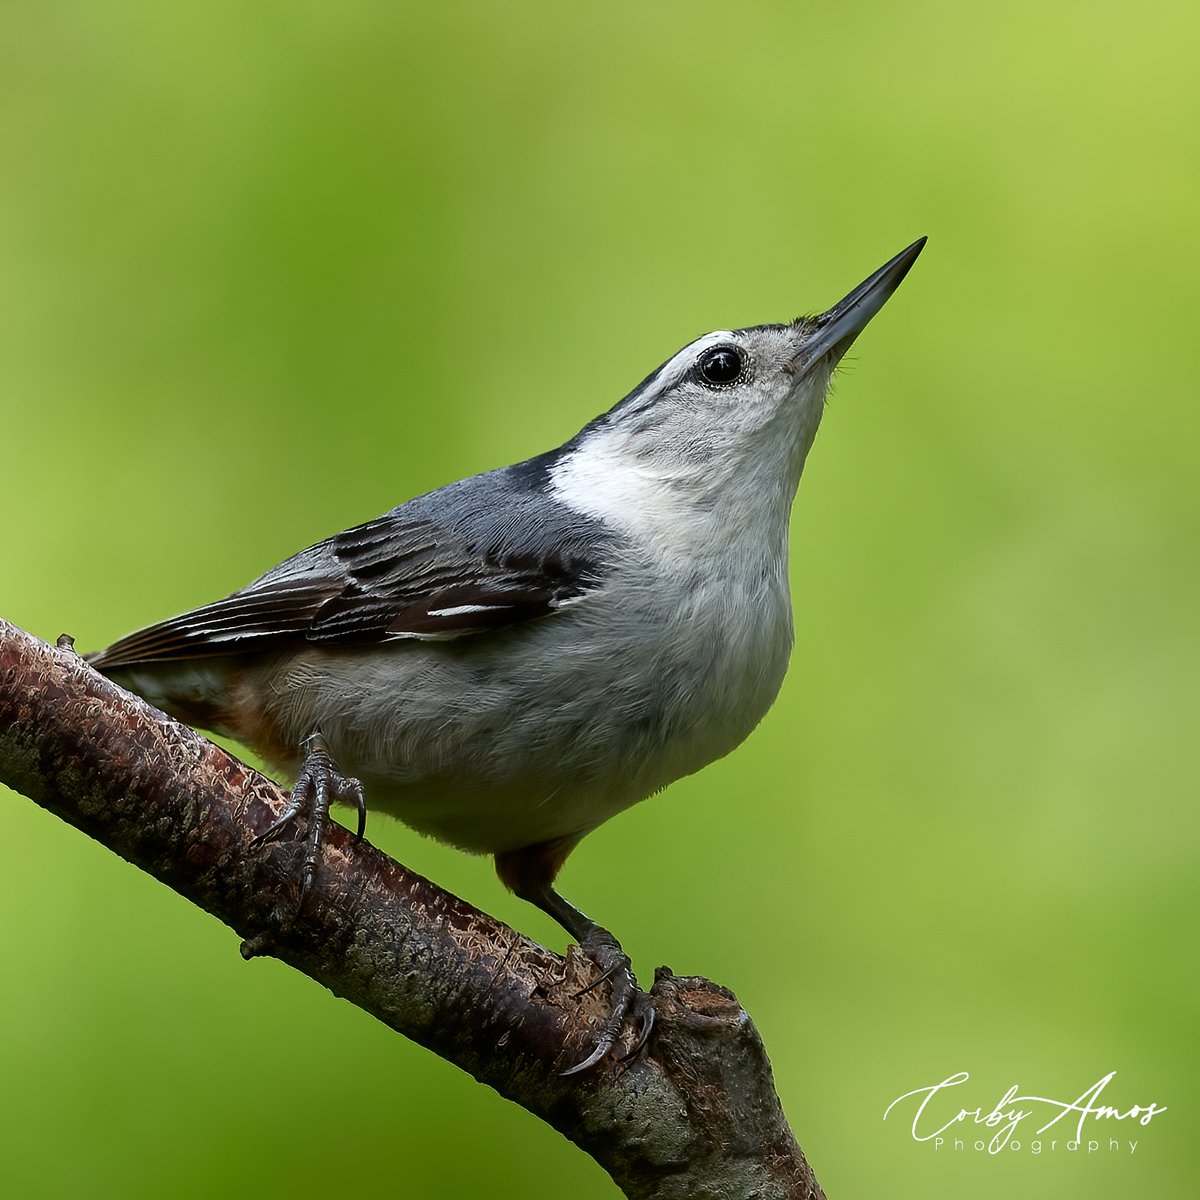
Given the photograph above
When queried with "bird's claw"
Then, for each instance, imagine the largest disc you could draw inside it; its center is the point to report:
(317, 786)
(643, 1009)
(627, 999)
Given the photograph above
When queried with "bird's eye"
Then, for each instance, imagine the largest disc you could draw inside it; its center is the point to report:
(722, 365)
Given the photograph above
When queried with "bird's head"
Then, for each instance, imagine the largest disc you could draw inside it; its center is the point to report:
(733, 411)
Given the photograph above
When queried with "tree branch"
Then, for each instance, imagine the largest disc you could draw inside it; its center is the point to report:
(695, 1115)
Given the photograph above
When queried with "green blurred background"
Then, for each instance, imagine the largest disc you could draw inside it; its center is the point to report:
(267, 269)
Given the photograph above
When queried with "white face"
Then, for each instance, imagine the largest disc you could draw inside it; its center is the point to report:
(710, 447)
(736, 397)
(729, 396)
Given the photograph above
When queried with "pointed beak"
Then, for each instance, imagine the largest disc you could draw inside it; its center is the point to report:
(834, 331)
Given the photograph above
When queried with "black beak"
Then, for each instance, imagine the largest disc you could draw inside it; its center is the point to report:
(835, 330)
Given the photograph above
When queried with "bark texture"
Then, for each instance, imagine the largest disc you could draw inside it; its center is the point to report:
(695, 1116)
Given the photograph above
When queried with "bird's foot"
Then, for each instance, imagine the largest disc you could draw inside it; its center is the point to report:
(628, 1000)
(317, 786)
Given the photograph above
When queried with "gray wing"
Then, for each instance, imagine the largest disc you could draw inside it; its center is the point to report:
(479, 555)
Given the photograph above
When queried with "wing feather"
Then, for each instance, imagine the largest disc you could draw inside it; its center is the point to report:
(394, 577)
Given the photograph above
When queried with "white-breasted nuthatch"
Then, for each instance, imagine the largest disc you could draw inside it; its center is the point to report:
(510, 660)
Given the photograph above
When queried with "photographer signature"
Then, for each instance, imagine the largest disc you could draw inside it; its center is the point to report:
(1011, 1109)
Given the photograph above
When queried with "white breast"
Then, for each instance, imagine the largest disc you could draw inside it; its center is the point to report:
(547, 729)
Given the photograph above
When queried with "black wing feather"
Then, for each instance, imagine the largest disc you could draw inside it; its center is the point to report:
(394, 577)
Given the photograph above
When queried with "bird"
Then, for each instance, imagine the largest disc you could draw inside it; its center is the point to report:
(510, 660)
